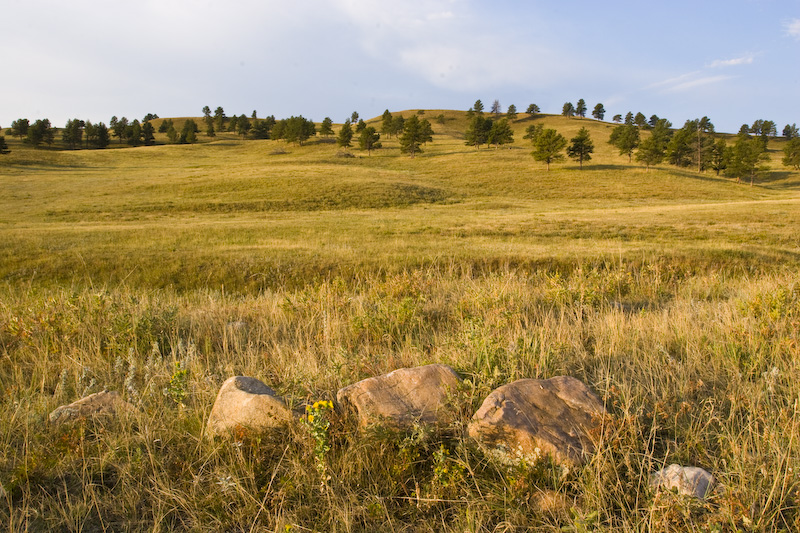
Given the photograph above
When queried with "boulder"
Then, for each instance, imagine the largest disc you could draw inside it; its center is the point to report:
(686, 480)
(403, 397)
(532, 418)
(100, 404)
(245, 402)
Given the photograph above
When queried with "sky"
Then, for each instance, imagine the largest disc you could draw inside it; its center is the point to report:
(733, 61)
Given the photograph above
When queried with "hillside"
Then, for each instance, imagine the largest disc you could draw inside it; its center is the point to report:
(235, 212)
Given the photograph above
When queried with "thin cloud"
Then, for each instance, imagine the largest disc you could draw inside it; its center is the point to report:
(793, 28)
(685, 82)
(744, 60)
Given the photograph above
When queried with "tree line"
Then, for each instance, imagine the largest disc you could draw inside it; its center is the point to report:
(696, 144)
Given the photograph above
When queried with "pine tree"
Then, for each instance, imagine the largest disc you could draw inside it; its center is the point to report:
(547, 146)
(369, 139)
(345, 137)
(326, 128)
(581, 147)
(599, 112)
(500, 133)
(580, 108)
(415, 133)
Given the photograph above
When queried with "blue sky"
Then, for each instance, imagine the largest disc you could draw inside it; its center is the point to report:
(734, 61)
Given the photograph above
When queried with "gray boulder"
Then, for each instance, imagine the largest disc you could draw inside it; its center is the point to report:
(532, 418)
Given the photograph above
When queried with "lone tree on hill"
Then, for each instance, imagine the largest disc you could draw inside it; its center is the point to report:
(345, 137)
(790, 131)
(415, 133)
(533, 109)
(369, 139)
(478, 106)
(599, 112)
(547, 146)
(568, 110)
(580, 108)
(511, 112)
(581, 147)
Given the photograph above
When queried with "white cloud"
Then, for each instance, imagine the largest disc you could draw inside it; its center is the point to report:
(691, 80)
(743, 60)
(793, 28)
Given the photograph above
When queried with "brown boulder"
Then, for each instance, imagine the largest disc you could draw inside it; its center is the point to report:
(245, 402)
(532, 418)
(99, 404)
(403, 397)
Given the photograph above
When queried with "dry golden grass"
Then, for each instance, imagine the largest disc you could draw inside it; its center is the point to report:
(675, 296)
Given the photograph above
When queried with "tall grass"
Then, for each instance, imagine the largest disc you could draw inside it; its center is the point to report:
(160, 272)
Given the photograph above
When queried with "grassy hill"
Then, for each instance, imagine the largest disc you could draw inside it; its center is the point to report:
(161, 271)
(237, 210)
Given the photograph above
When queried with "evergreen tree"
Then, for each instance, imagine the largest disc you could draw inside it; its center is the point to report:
(172, 134)
(415, 133)
(745, 157)
(298, 129)
(581, 147)
(640, 120)
(354, 117)
(692, 144)
(360, 125)
(629, 118)
(791, 153)
(511, 112)
(40, 132)
(547, 146)
(718, 159)
(568, 110)
(133, 133)
(72, 133)
(262, 129)
(165, 125)
(790, 131)
(653, 149)
(398, 124)
(386, 123)
(369, 139)
(599, 112)
(625, 138)
(345, 137)
(617, 118)
(119, 127)
(580, 108)
(219, 118)
(533, 109)
(533, 131)
(148, 134)
(19, 128)
(244, 125)
(326, 128)
(478, 131)
(233, 124)
(478, 107)
(500, 133)
(101, 136)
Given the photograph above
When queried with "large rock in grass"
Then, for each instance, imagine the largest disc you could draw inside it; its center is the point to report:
(246, 403)
(531, 418)
(105, 404)
(404, 397)
(685, 480)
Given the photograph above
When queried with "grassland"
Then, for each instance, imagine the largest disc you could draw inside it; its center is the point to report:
(674, 294)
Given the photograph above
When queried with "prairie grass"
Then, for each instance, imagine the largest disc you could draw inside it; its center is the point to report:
(159, 272)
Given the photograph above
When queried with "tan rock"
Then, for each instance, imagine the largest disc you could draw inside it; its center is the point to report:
(403, 397)
(245, 402)
(531, 418)
(99, 404)
(685, 480)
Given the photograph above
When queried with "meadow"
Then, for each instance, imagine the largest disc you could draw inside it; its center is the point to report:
(160, 271)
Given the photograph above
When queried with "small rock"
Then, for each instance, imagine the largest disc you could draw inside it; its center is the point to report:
(531, 418)
(403, 397)
(245, 402)
(100, 404)
(687, 480)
